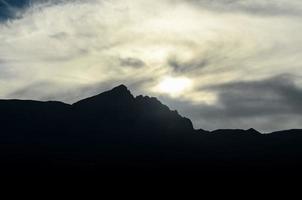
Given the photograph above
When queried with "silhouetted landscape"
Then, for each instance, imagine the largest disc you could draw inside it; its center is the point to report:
(115, 133)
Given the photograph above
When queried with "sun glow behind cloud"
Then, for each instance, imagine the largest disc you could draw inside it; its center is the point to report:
(174, 86)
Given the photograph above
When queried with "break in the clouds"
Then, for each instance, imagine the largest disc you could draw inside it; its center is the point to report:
(223, 63)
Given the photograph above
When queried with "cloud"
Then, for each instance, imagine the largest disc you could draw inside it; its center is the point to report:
(258, 7)
(275, 96)
(55, 48)
(272, 104)
(131, 62)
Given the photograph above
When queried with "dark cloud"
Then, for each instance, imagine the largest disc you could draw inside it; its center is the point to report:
(277, 95)
(131, 62)
(259, 7)
(216, 57)
(183, 67)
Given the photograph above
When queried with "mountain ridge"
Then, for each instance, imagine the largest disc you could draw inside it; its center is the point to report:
(124, 96)
(116, 133)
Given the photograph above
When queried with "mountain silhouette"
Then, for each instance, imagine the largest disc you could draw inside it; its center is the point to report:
(117, 133)
(119, 109)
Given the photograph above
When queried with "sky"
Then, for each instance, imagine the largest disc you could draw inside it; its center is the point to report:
(221, 63)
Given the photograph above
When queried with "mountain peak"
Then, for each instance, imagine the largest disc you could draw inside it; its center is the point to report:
(252, 131)
(117, 94)
(120, 88)
(121, 107)
(120, 91)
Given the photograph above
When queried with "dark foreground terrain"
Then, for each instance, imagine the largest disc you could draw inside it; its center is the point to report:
(116, 134)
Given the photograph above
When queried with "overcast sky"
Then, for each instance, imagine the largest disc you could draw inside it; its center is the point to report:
(238, 62)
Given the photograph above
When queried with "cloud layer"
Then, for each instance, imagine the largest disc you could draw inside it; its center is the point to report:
(243, 57)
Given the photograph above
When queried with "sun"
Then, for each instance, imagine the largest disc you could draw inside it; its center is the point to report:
(174, 86)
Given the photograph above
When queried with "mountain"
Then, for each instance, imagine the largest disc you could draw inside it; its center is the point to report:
(118, 109)
(116, 133)
(114, 111)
